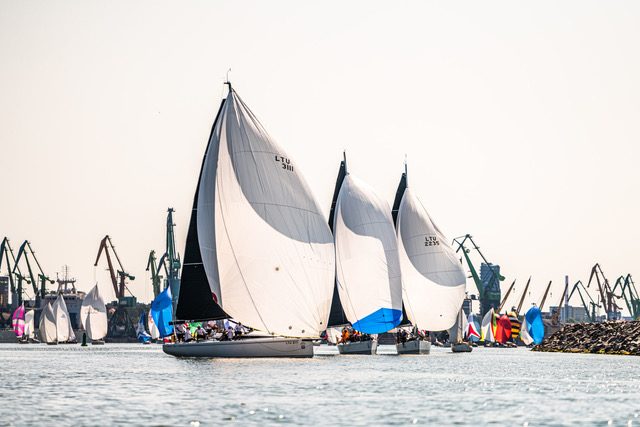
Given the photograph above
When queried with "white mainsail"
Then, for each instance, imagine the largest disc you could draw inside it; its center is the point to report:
(93, 315)
(266, 247)
(153, 329)
(432, 277)
(29, 326)
(367, 266)
(62, 319)
(47, 327)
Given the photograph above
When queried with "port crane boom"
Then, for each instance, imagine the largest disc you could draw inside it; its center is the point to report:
(524, 293)
(27, 251)
(506, 295)
(156, 278)
(590, 309)
(606, 293)
(544, 297)
(118, 277)
(629, 293)
(5, 252)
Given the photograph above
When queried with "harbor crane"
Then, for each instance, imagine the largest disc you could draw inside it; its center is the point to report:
(629, 293)
(606, 293)
(27, 251)
(489, 294)
(118, 277)
(5, 252)
(155, 268)
(544, 296)
(524, 293)
(590, 309)
(506, 295)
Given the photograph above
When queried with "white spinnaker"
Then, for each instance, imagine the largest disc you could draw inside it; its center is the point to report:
(47, 326)
(432, 277)
(367, 266)
(524, 333)
(153, 329)
(273, 255)
(93, 315)
(487, 328)
(62, 319)
(29, 326)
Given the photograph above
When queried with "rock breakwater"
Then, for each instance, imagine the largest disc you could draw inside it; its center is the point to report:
(615, 337)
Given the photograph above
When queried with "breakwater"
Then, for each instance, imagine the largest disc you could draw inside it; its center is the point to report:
(616, 337)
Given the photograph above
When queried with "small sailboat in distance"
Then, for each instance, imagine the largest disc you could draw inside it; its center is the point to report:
(18, 322)
(460, 345)
(367, 267)
(433, 280)
(258, 247)
(93, 316)
(29, 326)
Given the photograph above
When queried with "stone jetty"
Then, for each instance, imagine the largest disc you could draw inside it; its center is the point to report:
(615, 337)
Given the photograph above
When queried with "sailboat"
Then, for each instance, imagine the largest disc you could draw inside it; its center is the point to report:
(47, 327)
(487, 328)
(471, 333)
(433, 280)
(258, 247)
(62, 320)
(29, 326)
(93, 316)
(460, 345)
(141, 332)
(17, 322)
(153, 329)
(161, 314)
(367, 266)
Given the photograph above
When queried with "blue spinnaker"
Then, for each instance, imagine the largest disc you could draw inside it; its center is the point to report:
(535, 326)
(161, 311)
(381, 320)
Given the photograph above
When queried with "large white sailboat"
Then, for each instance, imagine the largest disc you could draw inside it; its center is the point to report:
(47, 326)
(93, 316)
(367, 268)
(258, 247)
(433, 280)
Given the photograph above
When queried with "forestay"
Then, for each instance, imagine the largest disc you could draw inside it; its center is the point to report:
(367, 266)
(264, 242)
(432, 277)
(93, 315)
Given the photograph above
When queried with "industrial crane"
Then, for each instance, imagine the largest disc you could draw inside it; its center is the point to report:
(156, 278)
(629, 292)
(589, 309)
(506, 295)
(606, 293)
(27, 251)
(544, 297)
(555, 317)
(490, 294)
(5, 252)
(524, 293)
(118, 277)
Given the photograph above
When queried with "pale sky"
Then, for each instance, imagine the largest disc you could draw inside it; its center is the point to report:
(520, 121)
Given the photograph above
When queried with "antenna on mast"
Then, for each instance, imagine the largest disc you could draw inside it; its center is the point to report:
(344, 159)
(406, 178)
(227, 82)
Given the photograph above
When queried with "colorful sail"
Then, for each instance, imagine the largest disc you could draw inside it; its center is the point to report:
(17, 321)
(153, 329)
(472, 333)
(93, 315)
(161, 312)
(515, 325)
(262, 238)
(367, 264)
(433, 280)
(503, 329)
(535, 325)
(488, 328)
(141, 332)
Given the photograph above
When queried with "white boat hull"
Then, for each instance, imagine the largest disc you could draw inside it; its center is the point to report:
(244, 348)
(358, 347)
(414, 347)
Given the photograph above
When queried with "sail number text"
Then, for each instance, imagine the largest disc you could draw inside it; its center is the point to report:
(285, 162)
(431, 241)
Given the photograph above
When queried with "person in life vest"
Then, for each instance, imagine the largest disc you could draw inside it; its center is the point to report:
(345, 336)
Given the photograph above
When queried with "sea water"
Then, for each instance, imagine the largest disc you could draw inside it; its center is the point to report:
(132, 384)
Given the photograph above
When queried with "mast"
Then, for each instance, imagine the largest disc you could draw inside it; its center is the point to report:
(402, 186)
(337, 315)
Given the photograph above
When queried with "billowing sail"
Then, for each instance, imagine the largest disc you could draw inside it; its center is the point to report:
(524, 333)
(432, 277)
(367, 266)
(141, 332)
(472, 333)
(161, 312)
(93, 315)
(62, 319)
(17, 321)
(535, 326)
(153, 329)
(264, 243)
(503, 329)
(29, 327)
(487, 328)
(47, 326)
